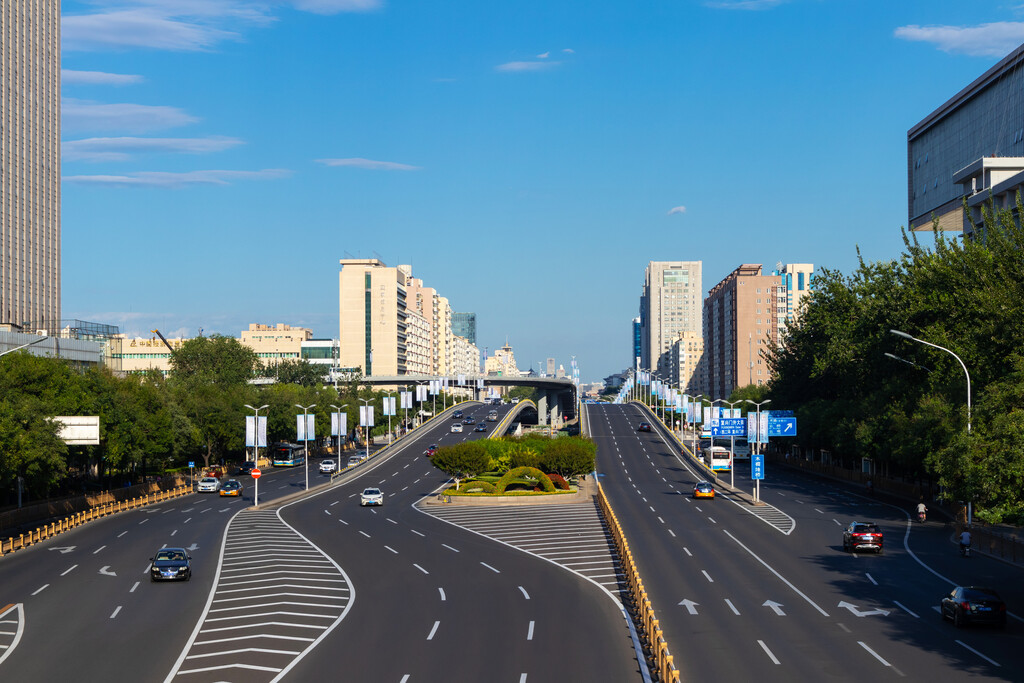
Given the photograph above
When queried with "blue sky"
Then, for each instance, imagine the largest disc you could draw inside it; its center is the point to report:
(526, 158)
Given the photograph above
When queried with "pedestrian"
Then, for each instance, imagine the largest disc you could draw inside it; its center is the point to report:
(871, 488)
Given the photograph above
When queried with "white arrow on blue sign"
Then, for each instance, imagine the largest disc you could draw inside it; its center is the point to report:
(781, 426)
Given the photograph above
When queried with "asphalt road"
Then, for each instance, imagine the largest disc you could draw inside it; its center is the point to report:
(738, 598)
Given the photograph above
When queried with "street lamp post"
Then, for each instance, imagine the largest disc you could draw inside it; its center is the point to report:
(694, 451)
(898, 333)
(732, 440)
(256, 451)
(369, 404)
(337, 410)
(757, 440)
(305, 434)
(389, 394)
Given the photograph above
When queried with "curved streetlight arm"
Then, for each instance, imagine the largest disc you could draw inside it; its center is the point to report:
(898, 333)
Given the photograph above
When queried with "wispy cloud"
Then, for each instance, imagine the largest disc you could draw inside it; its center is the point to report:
(744, 4)
(69, 77)
(183, 25)
(985, 40)
(676, 209)
(568, 50)
(161, 179)
(543, 55)
(370, 164)
(124, 148)
(82, 115)
(525, 66)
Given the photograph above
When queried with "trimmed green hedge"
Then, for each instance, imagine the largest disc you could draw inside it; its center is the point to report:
(519, 472)
(477, 485)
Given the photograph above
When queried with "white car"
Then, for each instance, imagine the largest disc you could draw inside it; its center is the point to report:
(328, 466)
(354, 460)
(457, 428)
(208, 485)
(371, 497)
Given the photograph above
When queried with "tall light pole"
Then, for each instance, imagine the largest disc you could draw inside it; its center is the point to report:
(757, 440)
(732, 440)
(389, 394)
(256, 451)
(943, 348)
(369, 406)
(337, 409)
(305, 433)
(694, 451)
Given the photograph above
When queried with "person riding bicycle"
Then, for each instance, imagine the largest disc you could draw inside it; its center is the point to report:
(922, 510)
(965, 540)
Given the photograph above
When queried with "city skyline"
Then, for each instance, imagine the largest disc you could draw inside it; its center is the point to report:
(220, 160)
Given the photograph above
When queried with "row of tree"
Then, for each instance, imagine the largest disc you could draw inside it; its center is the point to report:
(909, 414)
(568, 456)
(151, 423)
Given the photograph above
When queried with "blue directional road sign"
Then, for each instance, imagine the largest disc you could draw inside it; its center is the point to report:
(781, 426)
(191, 463)
(757, 466)
(730, 426)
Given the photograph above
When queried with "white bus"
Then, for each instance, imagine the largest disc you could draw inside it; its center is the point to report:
(740, 452)
(717, 458)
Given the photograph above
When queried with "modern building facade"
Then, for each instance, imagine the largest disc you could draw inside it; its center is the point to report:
(637, 350)
(741, 317)
(797, 280)
(464, 325)
(275, 343)
(982, 126)
(684, 368)
(502, 363)
(30, 164)
(670, 306)
(372, 317)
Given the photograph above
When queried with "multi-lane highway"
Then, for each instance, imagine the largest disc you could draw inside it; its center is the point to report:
(768, 593)
(319, 588)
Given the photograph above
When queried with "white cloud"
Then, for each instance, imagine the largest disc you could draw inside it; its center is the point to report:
(985, 40)
(525, 66)
(69, 77)
(743, 4)
(176, 180)
(123, 148)
(126, 118)
(676, 209)
(543, 55)
(336, 6)
(357, 162)
(568, 50)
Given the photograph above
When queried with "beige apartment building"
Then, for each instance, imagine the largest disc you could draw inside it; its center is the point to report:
(684, 363)
(465, 357)
(502, 363)
(741, 318)
(670, 307)
(30, 164)
(275, 343)
(372, 317)
(138, 355)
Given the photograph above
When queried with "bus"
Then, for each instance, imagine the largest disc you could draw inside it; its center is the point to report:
(717, 458)
(286, 455)
(741, 451)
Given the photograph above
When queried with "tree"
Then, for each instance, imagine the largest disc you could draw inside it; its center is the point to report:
(570, 456)
(298, 371)
(218, 360)
(461, 460)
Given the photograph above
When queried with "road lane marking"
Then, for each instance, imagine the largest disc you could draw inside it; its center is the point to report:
(433, 630)
(365, 534)
(40, 590)
(421, 568)
(661, 520)
(843, 626)
(870, 578)
(392, 521)
(443, 596)
(687, 551)
(818, 511)
(490, 567)
(144, 521)
(768, 652)
(778, 575)
(417, 533)
(838, 523)
(902, 607)
(672, 532)
(990, 661)
(115, 612)
(335, 503)
(732, 607)
(343, 522)
(707, 576)
(712, 520)
(879, 657)
(174, 532)
(529, 633)
(525, 594)
(69, 570)
(445, 545)
(134, 587)
(121, 534)
(387, 547)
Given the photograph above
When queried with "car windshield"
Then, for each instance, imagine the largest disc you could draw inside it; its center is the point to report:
(371, 492)
(980, 594)
(209, 480)
(170, 555)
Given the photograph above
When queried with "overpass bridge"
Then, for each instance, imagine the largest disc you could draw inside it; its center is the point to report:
(557, 394)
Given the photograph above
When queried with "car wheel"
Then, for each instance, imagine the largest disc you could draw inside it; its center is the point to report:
(958, 621)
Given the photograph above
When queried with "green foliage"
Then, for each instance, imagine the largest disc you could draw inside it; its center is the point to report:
(751, 392)
(524, 472)
(214, 360)
(570, 456)
(296, 371)
(461, 460)
(476, 486)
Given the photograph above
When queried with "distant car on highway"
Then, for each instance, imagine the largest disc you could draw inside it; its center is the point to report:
(371, 496)
(170, 564)
(862, 535)
(232, 487)
(457, 428)
(431, 449)
(246, 467)
(457, 415)
(327, 466)
(469, 420)
(974, 605)
(354, 460)
(208, 485)
(703, 489)
(644, 427)
(482, 427)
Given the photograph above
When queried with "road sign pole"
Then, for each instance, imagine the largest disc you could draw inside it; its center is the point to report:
(732, 462)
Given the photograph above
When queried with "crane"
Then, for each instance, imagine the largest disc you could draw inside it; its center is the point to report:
(157, 333)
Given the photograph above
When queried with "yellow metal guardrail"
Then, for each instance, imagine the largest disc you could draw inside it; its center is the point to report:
(659, 658)
(23, 541)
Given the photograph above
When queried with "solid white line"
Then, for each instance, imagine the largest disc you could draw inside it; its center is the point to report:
(421, 569)
(443, 596)
(68, 570)
(905, 610)
(732, 607)
(707, 576)
(768, 652)
(525, 594)
(40, 590)
(433, 630)
(115, 612)
(490, 567)
(529, 633)
(875, 654)
(990, 661)
(870, 578)
(780, 577)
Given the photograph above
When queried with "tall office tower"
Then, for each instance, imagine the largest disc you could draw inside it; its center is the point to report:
(634, 360)
(550, 367)
(796, 279)
(372, 317)
(741, 318)
(30, 163)
(669, 307)
(464, 325)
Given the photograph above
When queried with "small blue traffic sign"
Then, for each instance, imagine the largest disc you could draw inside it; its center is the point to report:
(720, 430)
(191, 463)
(757, 466)
(781, 426)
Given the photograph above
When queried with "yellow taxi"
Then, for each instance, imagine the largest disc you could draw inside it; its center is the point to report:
(703, 489)
(231, 488)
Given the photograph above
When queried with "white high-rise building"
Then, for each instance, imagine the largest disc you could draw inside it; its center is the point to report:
(670, 307)
(30, 163)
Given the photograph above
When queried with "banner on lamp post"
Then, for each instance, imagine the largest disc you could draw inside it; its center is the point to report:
(339, 424)
(255, 431)
(366, 416)
(304, 428)
(389, 406)
(406, 398)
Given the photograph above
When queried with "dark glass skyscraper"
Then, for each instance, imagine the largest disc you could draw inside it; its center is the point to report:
(464, 325)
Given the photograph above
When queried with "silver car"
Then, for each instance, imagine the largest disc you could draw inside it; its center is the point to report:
(328, 466)
(208, 485)
(371, 497)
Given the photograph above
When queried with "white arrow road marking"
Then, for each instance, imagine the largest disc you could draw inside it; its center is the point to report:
(857, 613)
(690, 605)
(103, 570)
(192, 547)
(66, 549)
(776, 607)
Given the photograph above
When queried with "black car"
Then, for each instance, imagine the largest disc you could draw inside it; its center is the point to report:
(469, 421)
(170, 564)
(457, 415)
(246, 467)
(482, 427)
(974, 605)
(644, 427)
